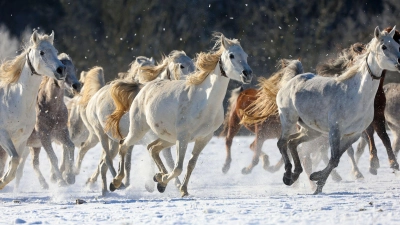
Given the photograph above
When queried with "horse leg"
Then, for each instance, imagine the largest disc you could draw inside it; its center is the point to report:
(338, 146)
(256, 147)
(3, 160)
(379, 126)
(356, 172)
(154, 148)
(128, 165)
(68, 155)
(7, 144)
(181, 146)
(117, 181)
(35, 152)
(46, 143)
(170, 163)
(373, 158)
(198, 147)
(233, 128)
(396, 138)
(85, 147)
(308, 168)
(114, 151)
(324, 156)
(20, 169)
(361, 146)
(103, 171)
(294, 141)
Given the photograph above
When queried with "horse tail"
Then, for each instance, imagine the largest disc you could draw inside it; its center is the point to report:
(231, 106)
(122, 92)
(265, 104)
(93, 81)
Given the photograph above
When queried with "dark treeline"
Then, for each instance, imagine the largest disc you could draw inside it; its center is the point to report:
(112, 33)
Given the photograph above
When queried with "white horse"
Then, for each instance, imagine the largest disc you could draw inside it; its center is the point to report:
(20, 79)
(179, 112)
(341, 107)
(102, 106)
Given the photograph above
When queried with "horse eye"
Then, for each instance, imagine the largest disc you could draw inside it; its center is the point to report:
(182, 67)
(384, 47)
(231, 56)
(41, 52)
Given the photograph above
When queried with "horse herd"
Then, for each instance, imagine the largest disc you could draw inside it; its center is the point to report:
(179, 101)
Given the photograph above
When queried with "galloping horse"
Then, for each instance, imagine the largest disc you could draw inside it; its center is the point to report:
(114, 100)
(194, 109)
(265, 128)
(51, 124)
(340, 107)
(20, 79)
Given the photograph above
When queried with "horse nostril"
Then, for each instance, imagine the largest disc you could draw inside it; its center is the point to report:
(61, 70)
(247, 72)
(75, 86)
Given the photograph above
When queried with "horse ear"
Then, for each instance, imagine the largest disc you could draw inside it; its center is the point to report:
(34, 37)
(224, 42)
(377, 32)
(152, 60)
(393, 31)
(51, 37)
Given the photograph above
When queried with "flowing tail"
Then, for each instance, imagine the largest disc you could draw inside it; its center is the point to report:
(265, 105)
(123, 93)
(232, 105)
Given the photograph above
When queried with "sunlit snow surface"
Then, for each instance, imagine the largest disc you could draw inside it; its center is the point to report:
(232, 198)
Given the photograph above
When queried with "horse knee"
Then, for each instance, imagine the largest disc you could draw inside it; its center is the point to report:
(334, 162)
(177, 171)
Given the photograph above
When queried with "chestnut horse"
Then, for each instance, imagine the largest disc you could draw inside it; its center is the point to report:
(266, 129)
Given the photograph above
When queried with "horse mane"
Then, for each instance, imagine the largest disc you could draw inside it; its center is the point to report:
(64, 56)
(94, 80)
(344, 60)
(265, 104)
(150, 73)
(207, 61)
(139, 62)
(123, 93)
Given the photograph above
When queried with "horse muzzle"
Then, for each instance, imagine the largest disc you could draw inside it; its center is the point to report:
(60, 73)
(246, 76)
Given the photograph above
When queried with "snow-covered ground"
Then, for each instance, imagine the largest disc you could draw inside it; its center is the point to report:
(232, 198)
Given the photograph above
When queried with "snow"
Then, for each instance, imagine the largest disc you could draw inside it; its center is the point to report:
(216, 198)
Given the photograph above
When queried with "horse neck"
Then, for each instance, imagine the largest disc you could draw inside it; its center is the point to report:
(53, 93)
(27, 87)
(215, 86)
(367, 87)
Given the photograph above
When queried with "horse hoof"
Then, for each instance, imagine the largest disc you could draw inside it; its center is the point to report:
(154, 178)
(245, 171)
(358, 176)
(149, 187)
(112, 187)
(161, 188)
(45, 186)
(287, 181)
(226, 168)
(373, 171)
(394, 166)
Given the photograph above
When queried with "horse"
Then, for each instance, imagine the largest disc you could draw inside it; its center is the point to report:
(113, 100)
(20, 80)
(194, 109)
(391, 91)
(338, 65)
(51, 124)
(340, 107)
(243, 101)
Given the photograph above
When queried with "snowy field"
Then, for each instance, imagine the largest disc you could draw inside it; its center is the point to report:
(233, 198)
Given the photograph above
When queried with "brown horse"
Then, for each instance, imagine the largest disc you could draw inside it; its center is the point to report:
(337, 66)
(268, 128)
